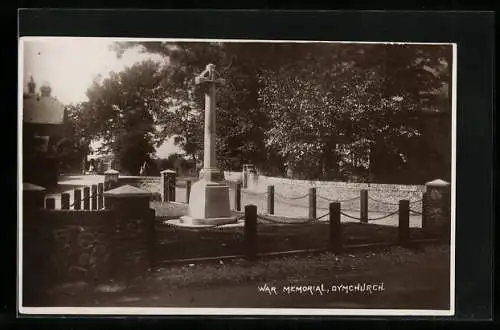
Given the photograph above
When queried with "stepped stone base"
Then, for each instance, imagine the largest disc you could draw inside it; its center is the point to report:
(208, 204)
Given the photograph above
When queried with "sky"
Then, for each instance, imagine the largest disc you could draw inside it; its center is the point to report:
(69, 65)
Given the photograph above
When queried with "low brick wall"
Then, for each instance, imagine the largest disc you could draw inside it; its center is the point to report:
(80, 245)
(66, 245)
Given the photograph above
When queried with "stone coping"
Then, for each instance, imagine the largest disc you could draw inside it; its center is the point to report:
(127, 191)
(32, 187)
(437, 183)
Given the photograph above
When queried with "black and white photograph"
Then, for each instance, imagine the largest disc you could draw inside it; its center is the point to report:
(236, 177)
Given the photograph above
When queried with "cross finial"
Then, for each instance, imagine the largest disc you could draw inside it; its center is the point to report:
(209, 76)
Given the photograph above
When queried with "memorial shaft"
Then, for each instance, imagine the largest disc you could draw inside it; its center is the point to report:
(209, 160)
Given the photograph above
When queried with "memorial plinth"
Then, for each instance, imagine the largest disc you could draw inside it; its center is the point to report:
(209, 200)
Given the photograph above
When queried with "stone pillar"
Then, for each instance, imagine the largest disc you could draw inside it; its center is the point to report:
(252, 178)
(111, 179)
(209, 202)
(133, 223)
(247, 170)
(168, 178)
(437, 210)
(244, 177)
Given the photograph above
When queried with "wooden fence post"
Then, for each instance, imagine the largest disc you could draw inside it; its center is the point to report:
(237, 197)
(250, 231)
(77, 202)
(100, 196)
(424, 214)
(312, 203)
(94, 197)
(152, 239)
(270, 199)
(64, 201)
(86, 198)
(188, 190)
(404, 222)
(364, 205)
(336, 244)
(50, 203)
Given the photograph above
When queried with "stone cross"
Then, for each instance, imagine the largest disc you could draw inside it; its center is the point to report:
(210, 77)
(209, 201)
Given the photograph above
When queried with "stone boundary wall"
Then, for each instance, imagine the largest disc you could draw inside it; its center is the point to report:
(291, 188)
(262, 181)
(232, 176)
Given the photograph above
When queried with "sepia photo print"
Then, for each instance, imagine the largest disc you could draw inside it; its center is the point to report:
(257, 177)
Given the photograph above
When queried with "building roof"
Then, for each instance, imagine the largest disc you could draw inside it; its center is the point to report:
(38, 109)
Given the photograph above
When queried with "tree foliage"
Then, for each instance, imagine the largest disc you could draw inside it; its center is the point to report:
(122, 109)
(240, 121)
(353, 106)
(325, 110)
